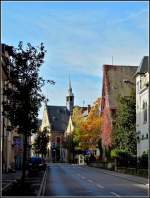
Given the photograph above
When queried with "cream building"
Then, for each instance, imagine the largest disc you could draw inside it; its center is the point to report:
(142, 106)
(67, 138)
(56, 119)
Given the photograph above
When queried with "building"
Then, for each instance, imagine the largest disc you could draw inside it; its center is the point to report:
(117, 81)
(56, 119)
(11, 141)
(70, 99)
(67, 154)
(142, 106)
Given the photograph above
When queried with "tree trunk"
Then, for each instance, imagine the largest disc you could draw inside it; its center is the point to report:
(24, 158)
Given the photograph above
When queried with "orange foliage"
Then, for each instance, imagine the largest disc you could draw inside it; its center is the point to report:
(90, 128)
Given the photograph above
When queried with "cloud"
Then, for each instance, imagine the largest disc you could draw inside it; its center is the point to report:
(131, 16)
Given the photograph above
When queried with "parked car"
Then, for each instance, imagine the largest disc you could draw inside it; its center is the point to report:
(36, 163)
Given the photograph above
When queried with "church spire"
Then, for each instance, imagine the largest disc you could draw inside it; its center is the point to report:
(70, 98)
(70, 88)
(70, 83)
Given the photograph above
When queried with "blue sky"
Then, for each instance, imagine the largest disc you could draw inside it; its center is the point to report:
(79, 38)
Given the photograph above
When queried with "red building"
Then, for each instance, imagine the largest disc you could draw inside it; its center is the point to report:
(117, 81)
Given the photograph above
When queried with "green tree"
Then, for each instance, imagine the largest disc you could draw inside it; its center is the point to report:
(124, 125)
(41, 142)
(23, 92)
(78, 120)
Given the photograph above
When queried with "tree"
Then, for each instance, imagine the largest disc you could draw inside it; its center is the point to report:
(23, 92)
(124, 125)
(41, 142)
(91, 127)
(87, 131)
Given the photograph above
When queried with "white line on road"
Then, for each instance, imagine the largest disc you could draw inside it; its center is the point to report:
(6, 186)
(89, 180)
(99, 186)
(82, 177)
(115, 194)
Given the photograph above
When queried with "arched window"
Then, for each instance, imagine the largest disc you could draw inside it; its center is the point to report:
(144, 112)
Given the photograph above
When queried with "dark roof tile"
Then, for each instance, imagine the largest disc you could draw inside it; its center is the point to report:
(119, 81)
(143, 67)
(58, 117)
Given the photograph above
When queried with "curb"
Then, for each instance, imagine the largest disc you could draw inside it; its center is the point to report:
(116, 174)
(127, 178)
(43, 184)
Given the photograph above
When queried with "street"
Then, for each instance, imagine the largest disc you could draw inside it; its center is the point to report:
(75, 180)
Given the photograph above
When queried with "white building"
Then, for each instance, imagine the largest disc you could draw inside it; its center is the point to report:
(142, 106)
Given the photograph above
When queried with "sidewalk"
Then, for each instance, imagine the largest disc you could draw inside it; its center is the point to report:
(32, 184)
(9, 178)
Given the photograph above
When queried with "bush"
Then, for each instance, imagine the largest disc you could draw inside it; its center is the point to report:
(114, 153)
(117, 153)
(108, 154)
(143, 161)
(123, 158)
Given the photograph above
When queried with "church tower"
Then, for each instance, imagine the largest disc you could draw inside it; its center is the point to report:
(70, 99)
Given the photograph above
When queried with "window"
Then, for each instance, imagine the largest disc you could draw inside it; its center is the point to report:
(144, 112)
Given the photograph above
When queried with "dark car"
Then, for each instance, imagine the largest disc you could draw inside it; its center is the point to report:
(36, 163)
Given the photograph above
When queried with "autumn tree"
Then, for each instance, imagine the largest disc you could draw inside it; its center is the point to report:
(87, 130)
(124, 125)
(91, 132)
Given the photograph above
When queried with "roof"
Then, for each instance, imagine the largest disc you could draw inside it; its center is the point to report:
(143, 67)
(58, 117)
(117, 80)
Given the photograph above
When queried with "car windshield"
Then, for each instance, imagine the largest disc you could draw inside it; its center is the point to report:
(36, 160)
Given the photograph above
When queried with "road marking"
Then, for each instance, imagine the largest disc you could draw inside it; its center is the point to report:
(115, 194)
(89, 180)
(7, 180)
(82, 177)
(6, 186)
(99, 186)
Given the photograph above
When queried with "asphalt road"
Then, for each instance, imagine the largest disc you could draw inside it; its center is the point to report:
(73, 180)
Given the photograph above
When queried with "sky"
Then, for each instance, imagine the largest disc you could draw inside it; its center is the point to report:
(79, 38)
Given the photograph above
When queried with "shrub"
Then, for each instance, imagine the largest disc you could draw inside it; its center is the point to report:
(117, 153)
(108, 154)
(143, 161)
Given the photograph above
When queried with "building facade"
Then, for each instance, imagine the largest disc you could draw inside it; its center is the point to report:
(56, 119)
(142, 106)
(11, 141)
(117, 81)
